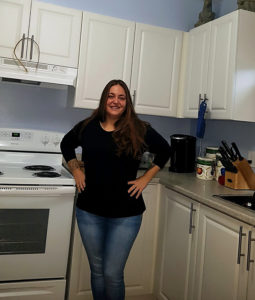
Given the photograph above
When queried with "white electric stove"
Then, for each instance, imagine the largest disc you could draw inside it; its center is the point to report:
(36, 210)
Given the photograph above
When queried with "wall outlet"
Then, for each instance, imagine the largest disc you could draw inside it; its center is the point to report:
(251, 156)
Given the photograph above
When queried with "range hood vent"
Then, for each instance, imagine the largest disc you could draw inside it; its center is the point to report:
(36, 73)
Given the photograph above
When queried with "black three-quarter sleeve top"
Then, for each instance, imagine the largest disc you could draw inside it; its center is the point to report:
(107, 175)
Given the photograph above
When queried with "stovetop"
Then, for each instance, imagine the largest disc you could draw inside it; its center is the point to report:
(17, 174)
(20, 148)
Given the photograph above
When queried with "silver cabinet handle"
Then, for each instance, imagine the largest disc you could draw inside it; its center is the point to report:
(31, 48)
(22, 45)
(191, 226)
(241, 234)
(249, 260)
(134, 97)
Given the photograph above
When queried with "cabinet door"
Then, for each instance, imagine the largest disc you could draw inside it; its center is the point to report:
(218, 275)
(197, 69)
(251, 272)
(179, 246)
(105, 54)
(56, 30)
(139, 270)
(14, 21)
(155, 70)
(221, 73)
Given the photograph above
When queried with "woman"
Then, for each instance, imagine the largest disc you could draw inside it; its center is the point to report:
(110, 204)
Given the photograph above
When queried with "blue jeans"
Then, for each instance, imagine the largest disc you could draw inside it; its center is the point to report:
(107, 242)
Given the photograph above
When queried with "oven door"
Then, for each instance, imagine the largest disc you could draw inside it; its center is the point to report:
(35, 227)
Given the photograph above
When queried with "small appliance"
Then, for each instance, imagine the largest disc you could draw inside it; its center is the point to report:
(183, 153)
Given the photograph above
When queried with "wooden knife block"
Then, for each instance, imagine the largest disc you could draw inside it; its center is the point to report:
(244, 178)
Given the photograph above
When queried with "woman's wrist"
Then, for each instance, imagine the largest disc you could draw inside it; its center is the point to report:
(73, 165)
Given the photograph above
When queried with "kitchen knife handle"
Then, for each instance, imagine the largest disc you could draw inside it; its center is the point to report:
(237, 151)
(228, 150)
(241, 234)
(191, 226)
(22, 45)
(31, 48)
(249, 260)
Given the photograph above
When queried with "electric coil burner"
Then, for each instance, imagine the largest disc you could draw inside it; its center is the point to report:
(47, 174)
(39, 168)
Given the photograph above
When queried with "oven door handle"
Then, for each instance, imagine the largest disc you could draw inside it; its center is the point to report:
(37, 190)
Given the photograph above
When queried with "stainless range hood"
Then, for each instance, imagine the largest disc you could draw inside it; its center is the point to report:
(36, 73)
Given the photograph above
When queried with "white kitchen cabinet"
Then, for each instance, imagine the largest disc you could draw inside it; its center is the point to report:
(219, 275)
(105, 54)
(139, 271)
(55, 29)
(177, 246)
(221, 63)
(155, 70)
(14, 22)
(251, 271)
(197, 68)
(114, 48)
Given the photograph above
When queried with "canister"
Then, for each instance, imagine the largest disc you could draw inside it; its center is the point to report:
(211, 152)
(205, 168)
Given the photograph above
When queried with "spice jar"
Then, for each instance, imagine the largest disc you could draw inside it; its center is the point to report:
(205, 168)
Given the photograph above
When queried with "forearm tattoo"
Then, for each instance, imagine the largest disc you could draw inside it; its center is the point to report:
(73, 164)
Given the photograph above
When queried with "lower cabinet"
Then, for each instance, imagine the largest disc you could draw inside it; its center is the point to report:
(221, 258)
(202, 254)
(176, 247)
(139, 272)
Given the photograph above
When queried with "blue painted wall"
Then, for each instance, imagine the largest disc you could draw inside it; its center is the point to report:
(37, 108)
(177, 14)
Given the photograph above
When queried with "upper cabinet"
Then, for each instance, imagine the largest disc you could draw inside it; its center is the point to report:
(146, 57)
(105, 54)
(221, 64)
(155, 70)
(55, 29)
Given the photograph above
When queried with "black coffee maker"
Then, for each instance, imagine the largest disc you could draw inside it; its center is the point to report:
(183, 153)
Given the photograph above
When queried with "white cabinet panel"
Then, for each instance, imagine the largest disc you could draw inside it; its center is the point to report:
(14, 22)
(218, 275)
(56, 29)
(155, 70)
(105, 54)
(221, 73)
(221, 63)
(177, 256)
(197, 68)
(251, 267)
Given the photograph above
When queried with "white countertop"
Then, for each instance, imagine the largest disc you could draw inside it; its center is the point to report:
(203, 190)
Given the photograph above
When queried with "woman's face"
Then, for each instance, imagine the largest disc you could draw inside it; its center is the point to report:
(116, 102)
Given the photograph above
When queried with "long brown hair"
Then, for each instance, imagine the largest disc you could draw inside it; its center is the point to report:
(129, 129)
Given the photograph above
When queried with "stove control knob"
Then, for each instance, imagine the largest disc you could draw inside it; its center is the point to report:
(56, 140)
(45, 140)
